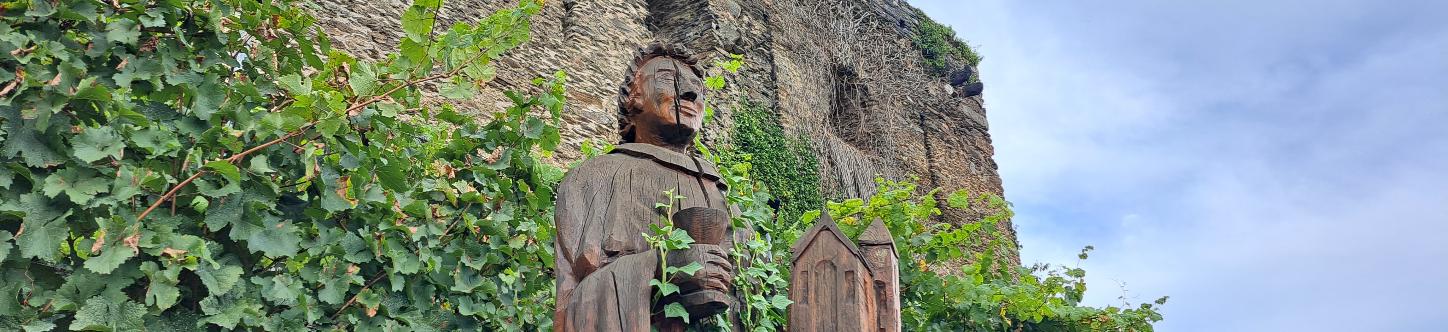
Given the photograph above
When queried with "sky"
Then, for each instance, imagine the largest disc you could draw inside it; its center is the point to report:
(1270, 165)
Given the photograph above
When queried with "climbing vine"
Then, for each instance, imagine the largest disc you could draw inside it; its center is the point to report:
(783, 164)
(215, 164)
(185, 165)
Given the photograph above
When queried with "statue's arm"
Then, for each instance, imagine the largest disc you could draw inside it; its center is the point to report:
(596, 293)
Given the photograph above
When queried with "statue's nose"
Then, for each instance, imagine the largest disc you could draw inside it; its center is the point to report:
(689, 96)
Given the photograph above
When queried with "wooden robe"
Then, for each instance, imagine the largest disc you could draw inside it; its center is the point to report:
(603, 264)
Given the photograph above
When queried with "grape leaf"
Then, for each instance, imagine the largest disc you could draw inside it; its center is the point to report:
(295, 84)
(393, 176)
(110, 258)
(7, 177)
(23, 141)
(43, 230)
(96, 143)
(77, 183)
(261, 164)
(275, 238)
(226, 169)
(226, 213)
(219, 281)
(161, 291)
(123, 31)
(334, 290)
(417, 23)
(156, 141)
(363, 79)
(153, 19)
(101, 314)
(5, 245)
(280, 289)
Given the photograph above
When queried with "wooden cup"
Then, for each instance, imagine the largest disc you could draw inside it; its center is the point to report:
(706, 226)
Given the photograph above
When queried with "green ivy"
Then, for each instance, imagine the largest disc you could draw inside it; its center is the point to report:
(784, 165)
(186, 165)
(938, 44)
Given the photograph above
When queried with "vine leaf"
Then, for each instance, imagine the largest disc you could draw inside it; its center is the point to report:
(676, 310)
(102, 314)
(123, 31)
(226, 169)
(156, 141)
(161, 291)
(109, 259)
(779, 301)
(417, 23)
(275, 238)
(21, 140)
(363, 79)
(665, 288)
(97, 143)
(226, 213)
(219, 281)
(43, 229)
(691, 268)
(261, 164)
(79, 184)
(295, 84)
(393, 176)
(5, 237)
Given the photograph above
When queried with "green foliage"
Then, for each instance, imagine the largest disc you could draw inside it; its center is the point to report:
(665, 237)
(316, 191)
(784, 165)
(987, 295)
(763, 278)
(214, 164)
(938, 43)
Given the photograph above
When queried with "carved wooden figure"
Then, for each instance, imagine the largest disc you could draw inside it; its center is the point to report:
(606, 204)
(831, 286)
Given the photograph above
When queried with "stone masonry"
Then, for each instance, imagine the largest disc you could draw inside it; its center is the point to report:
(845, 73)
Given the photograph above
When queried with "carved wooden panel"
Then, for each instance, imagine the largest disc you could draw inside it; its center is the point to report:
(831, 285)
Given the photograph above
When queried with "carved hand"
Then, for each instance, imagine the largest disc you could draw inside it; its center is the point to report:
(717, 273)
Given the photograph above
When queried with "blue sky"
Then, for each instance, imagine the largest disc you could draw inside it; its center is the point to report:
(1270, 165)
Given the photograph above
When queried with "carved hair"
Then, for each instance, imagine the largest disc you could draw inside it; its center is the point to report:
(646, 53)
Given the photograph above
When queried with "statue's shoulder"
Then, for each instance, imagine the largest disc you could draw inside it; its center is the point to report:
(670, 159)
(602, 166)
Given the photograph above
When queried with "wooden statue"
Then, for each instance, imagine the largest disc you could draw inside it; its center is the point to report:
(606, 204)
(837, 286)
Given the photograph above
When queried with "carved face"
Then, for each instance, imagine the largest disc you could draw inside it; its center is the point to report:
(663, 82)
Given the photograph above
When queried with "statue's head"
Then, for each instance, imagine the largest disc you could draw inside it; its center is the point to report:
(661, 101)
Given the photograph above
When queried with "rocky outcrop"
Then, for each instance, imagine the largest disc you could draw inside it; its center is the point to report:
(845, 73)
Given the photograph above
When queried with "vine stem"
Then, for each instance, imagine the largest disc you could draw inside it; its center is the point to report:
(352, 300)
(238, 157)
(233, 160)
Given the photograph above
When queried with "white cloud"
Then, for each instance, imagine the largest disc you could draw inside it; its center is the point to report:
(1271, 166)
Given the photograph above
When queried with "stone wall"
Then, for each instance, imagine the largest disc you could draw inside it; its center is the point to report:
(843, 72)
